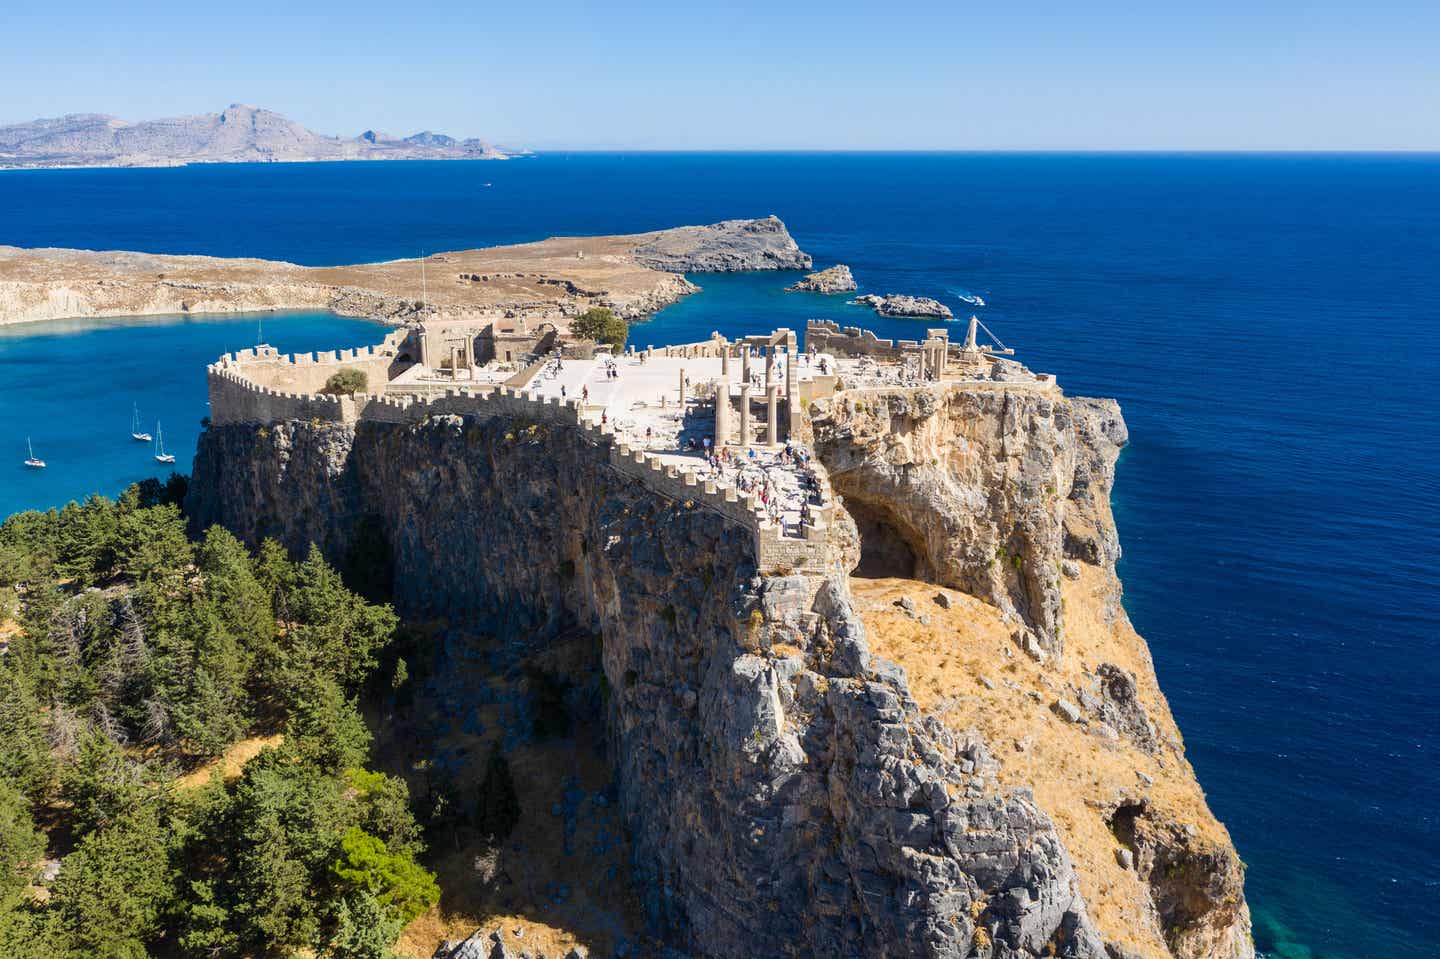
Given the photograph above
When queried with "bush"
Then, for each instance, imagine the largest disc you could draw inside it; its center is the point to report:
(602, 326)
(346, 382)
(401, 887)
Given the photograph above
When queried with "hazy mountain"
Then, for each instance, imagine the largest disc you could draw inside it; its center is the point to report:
(239, 134)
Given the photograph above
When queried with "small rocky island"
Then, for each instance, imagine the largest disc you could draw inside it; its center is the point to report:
(836, 279)
(905, 307)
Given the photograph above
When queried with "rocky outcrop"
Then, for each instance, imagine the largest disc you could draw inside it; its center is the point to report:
(495, 945)
(237, 134)
(982, 489)
(727, 247)
(901, 306)
(836, 279)
(785, 794)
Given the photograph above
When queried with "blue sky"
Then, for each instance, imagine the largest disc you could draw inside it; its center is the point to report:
(1196, 75)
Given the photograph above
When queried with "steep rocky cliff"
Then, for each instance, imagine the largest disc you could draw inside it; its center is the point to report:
(1003, 493)
(785, 794)
(785, 790)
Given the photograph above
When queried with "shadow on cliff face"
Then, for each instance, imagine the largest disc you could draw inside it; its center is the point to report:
(884, 550)
(562, 874)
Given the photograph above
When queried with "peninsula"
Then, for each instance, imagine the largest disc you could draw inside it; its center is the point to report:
(551, 280)
(237, 134)
(840, 616)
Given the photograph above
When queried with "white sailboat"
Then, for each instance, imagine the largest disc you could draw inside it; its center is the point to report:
(135, 432)
(32, 461)
(160, 455)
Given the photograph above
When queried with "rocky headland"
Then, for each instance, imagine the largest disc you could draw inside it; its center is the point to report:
(905, 307)
(237, 134)
(836, 279)
(635, 275)
(726, 247)
(925, 728)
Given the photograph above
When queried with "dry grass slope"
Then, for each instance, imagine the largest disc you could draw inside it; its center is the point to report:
(1077, 777)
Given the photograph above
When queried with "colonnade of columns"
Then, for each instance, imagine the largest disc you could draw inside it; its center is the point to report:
(723, 409)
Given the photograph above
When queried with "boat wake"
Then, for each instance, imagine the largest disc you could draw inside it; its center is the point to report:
(972, 298)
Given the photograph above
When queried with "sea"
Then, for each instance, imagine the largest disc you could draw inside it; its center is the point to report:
(1267, 322)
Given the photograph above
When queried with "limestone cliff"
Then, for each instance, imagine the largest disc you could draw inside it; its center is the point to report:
(984, 489)
(1003, 494)
(787, 791)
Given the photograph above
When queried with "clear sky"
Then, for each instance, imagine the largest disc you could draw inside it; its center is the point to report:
(1002, 74)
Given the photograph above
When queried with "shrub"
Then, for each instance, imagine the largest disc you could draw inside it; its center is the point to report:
(400, 885)
(346, 382)
(602, 326)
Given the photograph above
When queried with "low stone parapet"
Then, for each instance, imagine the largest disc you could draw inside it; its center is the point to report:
(236, 398)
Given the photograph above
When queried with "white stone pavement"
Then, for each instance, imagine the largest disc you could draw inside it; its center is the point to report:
(642, 403)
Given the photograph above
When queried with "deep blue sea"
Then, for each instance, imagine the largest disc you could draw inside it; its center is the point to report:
(1267, 322)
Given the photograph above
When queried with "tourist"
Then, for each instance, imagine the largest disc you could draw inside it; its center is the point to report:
(584, 394)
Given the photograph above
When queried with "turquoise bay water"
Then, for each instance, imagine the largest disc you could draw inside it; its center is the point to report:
(1267, 323)
(70, 386)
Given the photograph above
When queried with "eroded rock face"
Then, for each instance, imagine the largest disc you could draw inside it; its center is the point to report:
(785, 794)
(836, 279)
(1197, 886)
(728, 246)
(989, 489)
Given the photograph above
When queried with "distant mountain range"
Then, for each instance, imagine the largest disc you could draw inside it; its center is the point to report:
(239, 134)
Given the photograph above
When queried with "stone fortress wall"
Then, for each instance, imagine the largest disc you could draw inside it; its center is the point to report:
(256, 386)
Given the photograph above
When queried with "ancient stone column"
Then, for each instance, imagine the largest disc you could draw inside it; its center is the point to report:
(769, 365)
(745, 362)
(772, 420)
(792, 395)
(722, 413)
(682, 389)
(745, 414)
(725, 362)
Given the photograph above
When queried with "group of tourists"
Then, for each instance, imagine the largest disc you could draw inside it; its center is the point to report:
(783, 482)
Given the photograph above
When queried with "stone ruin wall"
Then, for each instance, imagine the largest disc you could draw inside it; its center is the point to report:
(236, 399)
(827, 336)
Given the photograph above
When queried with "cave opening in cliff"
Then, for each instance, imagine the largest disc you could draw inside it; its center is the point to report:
(884, 551)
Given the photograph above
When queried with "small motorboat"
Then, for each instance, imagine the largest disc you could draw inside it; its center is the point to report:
(32, 461)
(160, 455)
(136, 433)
